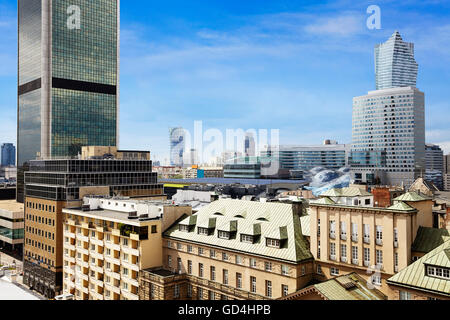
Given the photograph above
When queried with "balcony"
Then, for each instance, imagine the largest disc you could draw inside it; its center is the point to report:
(354, 237)
(112, 260)
(101, 228)
(81, 275)
(343, 236)
(112, 274)
(112, 288)
(82, 263)
(344, 259)
(97, 242)
(395, 244)
(82, 250)
(129, 295)
(332, 235)
(69, 270)
(112, 246)
(97, 269)
(69, 258)
(128, 250)
(95, 295)
(332, 257)
(80, 287)
(366, 239)
(69, 234)
(395, 268)
(355, 261)
(131, 281)
(116, 232)
(366, 263)
(379, 242)
(69, 246)
(131, 266)
(82, 237)
(70, 284)
(96, 281)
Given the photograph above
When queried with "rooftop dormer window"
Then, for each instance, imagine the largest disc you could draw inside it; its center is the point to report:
(273, 243)
(438, 272)
(183, 228)
(247, 238)
(223, 235)
(203, 231)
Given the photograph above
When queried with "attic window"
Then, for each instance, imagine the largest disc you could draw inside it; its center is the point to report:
(247, 238)
(272, 243)
(224, 235)
(203, 231)
(437, 272)
(262, 219)
(183, 227)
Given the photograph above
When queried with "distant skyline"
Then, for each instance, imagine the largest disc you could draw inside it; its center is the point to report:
(288, 65)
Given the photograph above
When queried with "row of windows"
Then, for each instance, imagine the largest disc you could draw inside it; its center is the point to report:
(41, 207)
(42, 220)
(41, 259)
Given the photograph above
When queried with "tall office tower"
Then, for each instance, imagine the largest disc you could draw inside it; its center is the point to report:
(68, 78)
(8, 155)
(394, 63)
(249, 145)
(52, 185)
(388, 129)
(447, 172)
(177, 146)
(434, 165)
(388, 137)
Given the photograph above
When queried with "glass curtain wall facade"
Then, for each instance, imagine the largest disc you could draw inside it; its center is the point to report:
(389, 127)
(68, 88)
(395, 65)
(8, 155)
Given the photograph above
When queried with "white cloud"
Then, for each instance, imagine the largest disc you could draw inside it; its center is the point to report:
(342, 25)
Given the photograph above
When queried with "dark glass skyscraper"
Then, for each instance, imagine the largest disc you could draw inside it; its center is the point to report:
(68, 88)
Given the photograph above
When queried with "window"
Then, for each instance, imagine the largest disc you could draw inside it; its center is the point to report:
(268, 288)
(252, 263)
(253, 284)
(125, 242)
(189, 267)
(200, 293)
(366, 257)
(179, 265)
(379, 238)
(183, 228)
(224, 256)
(212, 253)
(223, 235)
(438, 272)
(332, 229)
(125, 257)
(303, 270)
(200, 270)
(334, 271)
(273, 243)
(225, 276)
(169, 261)
(203, 231)
(404, 295)
(125, 271)
(354, 255)
(395, 237)
(246, 238)
(213, 273)
(189, 248)
(200, 251)
(284, 270)
(332, 251)
(239, 280)
(189, 290)
(343, 252)
(268, 266)
(179, 246)
(239, 260)
(211, 295)
(343, 230)
(318, 227)
(366, 233)
(376, 280)
(379, 257)
(284, 290)
(354, 232)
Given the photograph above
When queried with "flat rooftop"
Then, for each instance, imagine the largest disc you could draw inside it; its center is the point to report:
(11, 205)
(110, 215)
(258, 182)
(10, 291)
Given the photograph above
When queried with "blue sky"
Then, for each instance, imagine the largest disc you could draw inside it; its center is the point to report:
(288, 65)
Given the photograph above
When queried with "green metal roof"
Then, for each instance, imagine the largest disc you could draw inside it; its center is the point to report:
(346, 192)
(305, 222)
(414, 275)
(411, 197)
(283, 221)
(348, 287)
(428, 239)
(401, 206)
(324, 200)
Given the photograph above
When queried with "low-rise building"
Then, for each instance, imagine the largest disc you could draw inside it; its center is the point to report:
(345, 287)
(11, 225)
(108, 241)
(373, 242)
(426, 279)
(232, 249)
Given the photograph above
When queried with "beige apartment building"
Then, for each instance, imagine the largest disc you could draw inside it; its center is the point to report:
(232, 249)
(373, 242)
(108, 241)
(11, 224)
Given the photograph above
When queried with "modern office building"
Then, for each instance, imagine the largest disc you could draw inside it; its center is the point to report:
(447, 172)
(232, 249)
(395, 65)
(11, 226)
(177, 146)
(51, 185)
(388, 130)
(330, 155)
(108, 241)
(8, 155)
(388, 137)
(250, 145)
(374, 242)
(434, 165)
(68, 78)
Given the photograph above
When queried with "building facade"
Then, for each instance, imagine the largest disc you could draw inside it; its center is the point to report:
(11, 225)
(177, 141)
(305, 158)
(395, 65)
(388, 137)
(108, 241)
(68, 78)
(52, 185)
(232, 249)
(434, 165)
(373, 242)
(8, 155)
